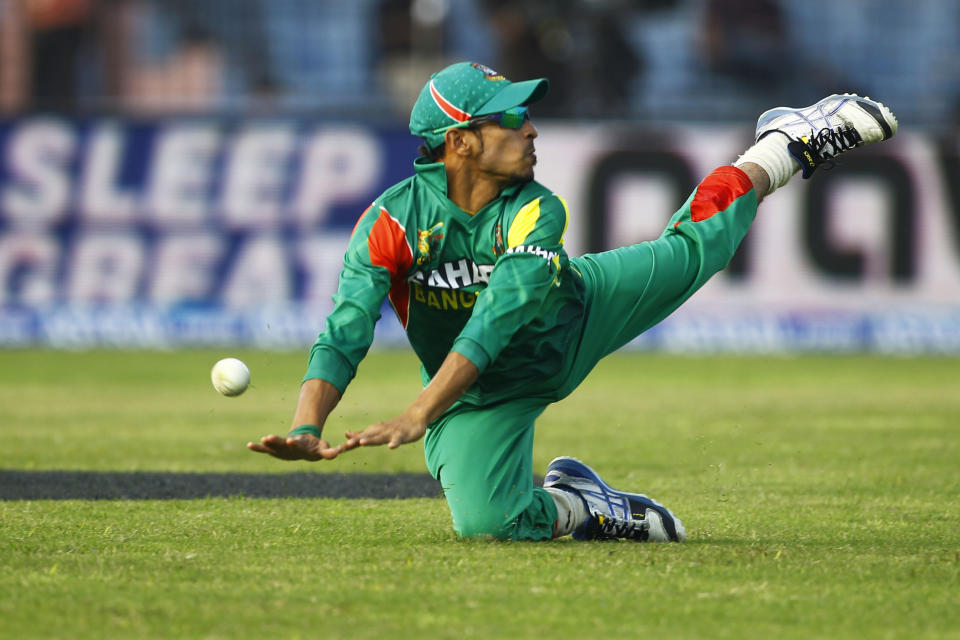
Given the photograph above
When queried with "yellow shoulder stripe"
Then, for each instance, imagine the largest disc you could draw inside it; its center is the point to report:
(526, 221)
(566, 219)
(523, 223)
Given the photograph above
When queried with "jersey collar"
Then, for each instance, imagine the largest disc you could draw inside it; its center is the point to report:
(433, 173)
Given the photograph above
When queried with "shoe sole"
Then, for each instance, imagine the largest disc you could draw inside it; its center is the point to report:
(670, 527)
(880, 113)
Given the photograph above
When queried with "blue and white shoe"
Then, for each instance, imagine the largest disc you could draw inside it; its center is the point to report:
(612, 513)
(822, 131)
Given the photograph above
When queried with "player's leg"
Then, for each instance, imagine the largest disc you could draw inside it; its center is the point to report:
(632, 288)
(483, 458)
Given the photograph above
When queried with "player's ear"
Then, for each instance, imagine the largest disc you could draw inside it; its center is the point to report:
(460, 141)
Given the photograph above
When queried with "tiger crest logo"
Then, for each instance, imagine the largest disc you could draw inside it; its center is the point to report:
(498, 246)
(427, 242)
(488, 72)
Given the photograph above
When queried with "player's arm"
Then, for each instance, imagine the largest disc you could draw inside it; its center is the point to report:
(378, 254)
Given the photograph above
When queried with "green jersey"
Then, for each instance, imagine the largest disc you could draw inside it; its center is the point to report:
(494, 286)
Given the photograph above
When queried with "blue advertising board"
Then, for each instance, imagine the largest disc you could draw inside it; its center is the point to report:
(181, 231)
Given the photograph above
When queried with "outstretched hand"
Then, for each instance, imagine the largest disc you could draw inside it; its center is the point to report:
(299, 447)
(393, 433)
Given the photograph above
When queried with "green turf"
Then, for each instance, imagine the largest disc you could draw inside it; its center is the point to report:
(821, 494)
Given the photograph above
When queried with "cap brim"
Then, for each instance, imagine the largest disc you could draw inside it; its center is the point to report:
(517, 94)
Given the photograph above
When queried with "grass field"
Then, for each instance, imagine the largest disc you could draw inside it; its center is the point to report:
(821, 496)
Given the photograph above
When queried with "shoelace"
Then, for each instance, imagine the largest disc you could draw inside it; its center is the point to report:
(616, 528)
(839, 140)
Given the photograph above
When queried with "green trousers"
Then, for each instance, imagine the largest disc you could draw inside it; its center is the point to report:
(483, 456)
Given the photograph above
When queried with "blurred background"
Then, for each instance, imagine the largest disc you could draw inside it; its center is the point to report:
(179, 172)
(639, 59)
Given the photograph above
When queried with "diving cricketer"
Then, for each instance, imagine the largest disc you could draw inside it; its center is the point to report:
(470, 253)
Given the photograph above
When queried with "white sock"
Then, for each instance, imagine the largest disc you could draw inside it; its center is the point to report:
(571, 512)
(772, 155)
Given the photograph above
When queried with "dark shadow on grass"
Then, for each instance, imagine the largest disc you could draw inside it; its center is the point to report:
(152, 485)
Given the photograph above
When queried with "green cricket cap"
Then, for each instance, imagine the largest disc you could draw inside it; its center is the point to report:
(465, 90)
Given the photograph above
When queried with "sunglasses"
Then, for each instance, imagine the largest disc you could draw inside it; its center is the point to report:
(512, 118)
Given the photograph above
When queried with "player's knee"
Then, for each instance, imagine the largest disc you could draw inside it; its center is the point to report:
(483, 522)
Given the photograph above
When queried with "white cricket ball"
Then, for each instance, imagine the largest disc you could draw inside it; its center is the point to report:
(230, 376)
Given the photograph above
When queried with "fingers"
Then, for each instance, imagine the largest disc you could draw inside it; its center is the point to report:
(352, 441)
(373, 435)
(272, 445)
(327, 452)
(392, 433)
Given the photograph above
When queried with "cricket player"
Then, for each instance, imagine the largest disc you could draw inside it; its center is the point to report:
(469, 251)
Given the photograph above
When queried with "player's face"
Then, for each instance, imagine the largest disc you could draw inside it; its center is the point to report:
(507, 155)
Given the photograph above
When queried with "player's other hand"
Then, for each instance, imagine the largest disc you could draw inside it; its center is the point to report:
(393, 433)
(300, 447)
